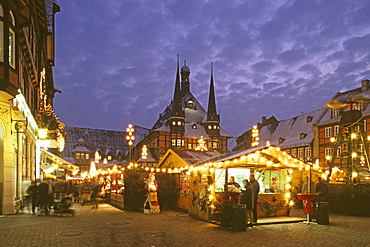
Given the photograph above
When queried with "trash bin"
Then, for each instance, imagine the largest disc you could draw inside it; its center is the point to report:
(322, 215)
(238, 223)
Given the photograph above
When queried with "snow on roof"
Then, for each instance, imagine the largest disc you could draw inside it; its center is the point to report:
(192, 157)
(149, 157)
(80, 149)
(295, 131)
(327, 117)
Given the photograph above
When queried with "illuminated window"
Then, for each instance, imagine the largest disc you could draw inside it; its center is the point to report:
(177, 142)
(336, 130)
(327, 132)
(339, 151)
(215, 145)
(194, 126)
(215, 127)
(300, 153)
(209, 127)
(294, 152)
(11, 41)
(78, 156)
(173, 123)
(327, 152)
(190, 104)
(358, 106)
(178, 123)
(109, 157)
(307, 152)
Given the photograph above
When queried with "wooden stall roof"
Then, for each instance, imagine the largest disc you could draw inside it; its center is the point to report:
(60, 161)
(265, 157)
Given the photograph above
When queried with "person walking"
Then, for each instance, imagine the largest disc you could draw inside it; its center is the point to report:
(256, 190)
(32, 191)
(43, 191)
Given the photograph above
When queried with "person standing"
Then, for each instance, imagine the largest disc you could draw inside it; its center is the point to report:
(322, 190)
(32, 191)
(245, 198)
(256, 190)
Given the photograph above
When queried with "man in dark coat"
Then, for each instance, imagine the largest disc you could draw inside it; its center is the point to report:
(45, 191)
(256, 190)
(245, 198)
(322, 190)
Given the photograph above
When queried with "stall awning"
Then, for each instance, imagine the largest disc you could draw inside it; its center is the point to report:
(60, 161)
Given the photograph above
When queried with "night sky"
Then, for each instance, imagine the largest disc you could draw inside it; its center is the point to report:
(116, 60)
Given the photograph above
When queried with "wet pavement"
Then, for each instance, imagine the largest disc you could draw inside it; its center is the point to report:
(109, 226)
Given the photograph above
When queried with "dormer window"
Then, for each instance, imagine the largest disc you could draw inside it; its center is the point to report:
(281, 139)
(303, 135)
(190, 104)
(194, 126)
(309, 119)
(358, 106)
(335, 113)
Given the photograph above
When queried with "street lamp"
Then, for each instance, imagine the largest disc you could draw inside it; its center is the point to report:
(130, 138)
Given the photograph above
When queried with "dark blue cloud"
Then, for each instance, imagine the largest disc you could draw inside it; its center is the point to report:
(116, 60)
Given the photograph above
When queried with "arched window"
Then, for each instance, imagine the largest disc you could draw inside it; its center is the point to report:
(190, 104)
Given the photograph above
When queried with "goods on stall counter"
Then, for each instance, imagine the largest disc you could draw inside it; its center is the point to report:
(233, 188)
(151, 204)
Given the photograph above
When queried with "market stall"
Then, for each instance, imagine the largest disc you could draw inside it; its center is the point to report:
(271, 167)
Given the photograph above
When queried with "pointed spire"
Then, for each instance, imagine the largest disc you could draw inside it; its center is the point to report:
(185, 83)
(212, 113)
(177, 99)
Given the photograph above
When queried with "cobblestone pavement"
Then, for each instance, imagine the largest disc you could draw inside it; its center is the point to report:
(108, 226)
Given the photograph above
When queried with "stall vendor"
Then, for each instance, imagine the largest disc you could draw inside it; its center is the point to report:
(232, 182)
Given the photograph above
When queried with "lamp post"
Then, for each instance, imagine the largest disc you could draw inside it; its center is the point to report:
(130, 139)
(20, 128)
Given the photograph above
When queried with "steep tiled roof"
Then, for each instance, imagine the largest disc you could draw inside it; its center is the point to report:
(196, 116)
(98, 139)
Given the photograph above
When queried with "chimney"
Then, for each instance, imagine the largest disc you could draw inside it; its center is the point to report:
(364, 85)
(263, 119)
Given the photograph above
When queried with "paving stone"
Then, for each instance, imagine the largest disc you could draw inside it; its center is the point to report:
(109, 226)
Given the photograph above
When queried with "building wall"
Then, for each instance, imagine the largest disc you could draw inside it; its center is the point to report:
(19, 95)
